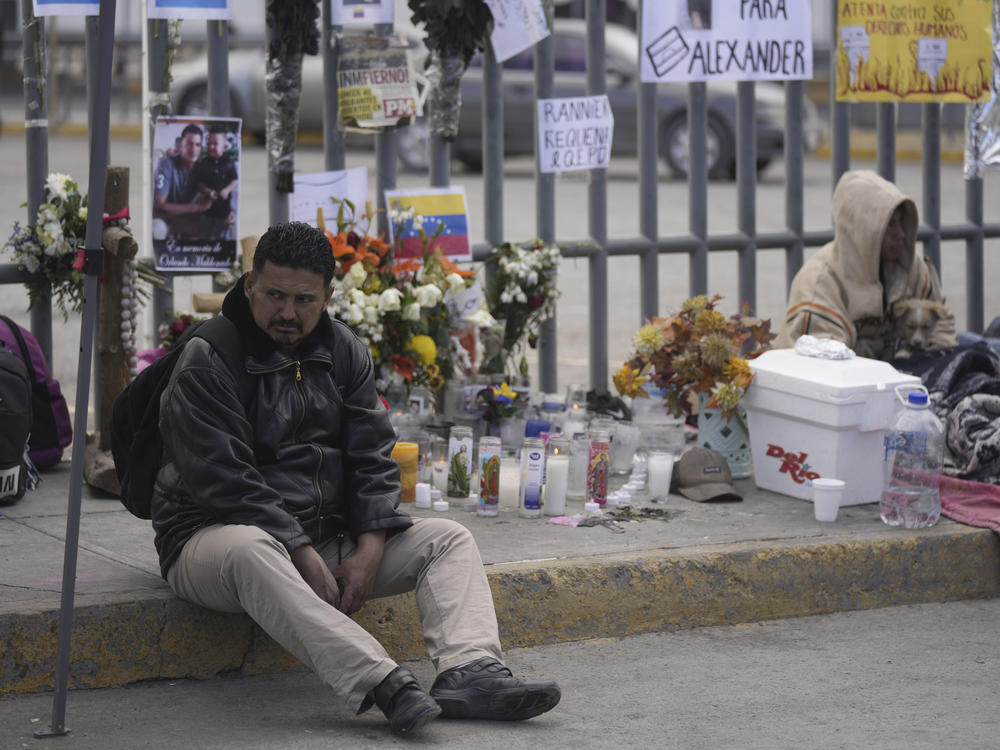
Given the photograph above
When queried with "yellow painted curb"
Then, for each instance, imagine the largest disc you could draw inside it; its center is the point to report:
(125, 638)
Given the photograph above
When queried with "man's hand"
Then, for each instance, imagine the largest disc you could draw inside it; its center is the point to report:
(358, 571)
(313, 569)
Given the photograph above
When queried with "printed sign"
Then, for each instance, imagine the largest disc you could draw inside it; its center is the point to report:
(345, 12)
(206, 10)
(517, 25)
(376, 86)
(913, 50)
(66, 7)
(196, 180)
(445, 222)
(731, 40)
(574, 133)
(323, 191)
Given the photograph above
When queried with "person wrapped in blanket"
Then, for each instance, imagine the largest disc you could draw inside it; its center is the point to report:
(869, 286)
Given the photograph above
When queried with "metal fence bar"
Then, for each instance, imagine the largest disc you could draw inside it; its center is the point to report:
(930, 213)
(974, 277)
(36, 147)
(385, 157)
(597, 203)
(217, 37)
(545, 215)
(840, 125)
(492, 148)
(794, 178)
(885, 129)
(649, 272)
(333, 137)
(156, 65)
(746, 185)
(697, 118)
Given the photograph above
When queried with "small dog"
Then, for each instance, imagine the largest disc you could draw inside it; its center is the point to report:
(913, 321)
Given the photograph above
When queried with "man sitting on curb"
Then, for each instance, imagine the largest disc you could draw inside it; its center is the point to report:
(286, 508)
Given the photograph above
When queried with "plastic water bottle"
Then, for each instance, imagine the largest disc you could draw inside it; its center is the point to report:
(914, 451)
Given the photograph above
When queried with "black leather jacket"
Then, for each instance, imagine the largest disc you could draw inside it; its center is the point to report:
(309, 459)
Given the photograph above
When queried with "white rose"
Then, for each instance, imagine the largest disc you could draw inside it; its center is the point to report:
(371, 315)
(428, 295)
(389, 300)
(412, 311)
(356, 297)
(56, 185)
(532, 278)
(481, 318)
(455, 282)
(354, 315)
(356, 276)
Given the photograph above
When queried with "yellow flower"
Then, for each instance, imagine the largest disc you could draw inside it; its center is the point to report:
(694, 304)
(629, 380)
(424, 347)
(648, 339)
(710, 321)
(505, 391)
(737, 371)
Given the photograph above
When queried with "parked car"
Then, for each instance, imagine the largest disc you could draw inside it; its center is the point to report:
(246, 75)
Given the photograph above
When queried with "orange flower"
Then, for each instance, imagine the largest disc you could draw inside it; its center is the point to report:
(449, 267)
(407, 265)
(339, 245)
(403, 365)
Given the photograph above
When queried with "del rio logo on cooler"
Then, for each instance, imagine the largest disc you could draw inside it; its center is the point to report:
(793, 464)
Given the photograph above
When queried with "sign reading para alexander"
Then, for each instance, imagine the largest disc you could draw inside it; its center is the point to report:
(574, 133)
(732, 40)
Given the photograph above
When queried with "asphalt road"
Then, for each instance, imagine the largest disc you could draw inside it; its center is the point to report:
(905, 677)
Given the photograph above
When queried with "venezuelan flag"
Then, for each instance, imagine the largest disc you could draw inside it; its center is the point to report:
(445, 209)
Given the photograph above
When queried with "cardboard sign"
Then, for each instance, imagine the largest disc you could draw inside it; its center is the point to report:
(517, 25)
(913, 50)
(730, 40)
(574, 133)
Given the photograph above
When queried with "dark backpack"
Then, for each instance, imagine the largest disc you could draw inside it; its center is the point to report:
(136, 443)
(51, 430)
(16, 471)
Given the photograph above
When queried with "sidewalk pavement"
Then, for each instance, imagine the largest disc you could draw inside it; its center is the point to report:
(698, 565)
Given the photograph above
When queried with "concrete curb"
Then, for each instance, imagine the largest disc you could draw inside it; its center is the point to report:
(123, 638)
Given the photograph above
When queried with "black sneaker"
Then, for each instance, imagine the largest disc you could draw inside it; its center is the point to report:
(486, 689)
(404, 703)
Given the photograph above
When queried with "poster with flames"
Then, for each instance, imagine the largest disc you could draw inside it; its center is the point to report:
(914, 50)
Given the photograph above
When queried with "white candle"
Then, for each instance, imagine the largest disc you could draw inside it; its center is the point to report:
(556, 480)
(573, 426)
(510, 482)
(660, 466)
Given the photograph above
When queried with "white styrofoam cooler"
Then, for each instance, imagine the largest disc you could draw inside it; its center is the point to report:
(811, 418)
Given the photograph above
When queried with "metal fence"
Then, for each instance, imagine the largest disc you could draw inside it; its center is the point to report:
(650, 246)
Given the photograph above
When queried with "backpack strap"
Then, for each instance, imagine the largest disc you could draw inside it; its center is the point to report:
(225, 338)
(15, 331)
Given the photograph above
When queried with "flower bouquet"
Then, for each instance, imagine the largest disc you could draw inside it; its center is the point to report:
(47, 252)
(697, 352)
(521, 295)
(399, 309)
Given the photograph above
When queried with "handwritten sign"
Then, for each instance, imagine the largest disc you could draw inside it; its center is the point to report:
(752, 40)
(517, 25)
(324, 191)
(574, 133)
(913, 50)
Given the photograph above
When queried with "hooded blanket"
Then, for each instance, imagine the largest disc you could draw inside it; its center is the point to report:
(840, 294)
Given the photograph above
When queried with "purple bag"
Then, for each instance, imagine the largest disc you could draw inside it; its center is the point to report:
(51, 430)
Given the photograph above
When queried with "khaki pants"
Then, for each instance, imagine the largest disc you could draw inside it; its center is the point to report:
(243, 569)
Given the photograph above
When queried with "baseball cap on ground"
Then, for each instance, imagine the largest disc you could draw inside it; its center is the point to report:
(703, 474)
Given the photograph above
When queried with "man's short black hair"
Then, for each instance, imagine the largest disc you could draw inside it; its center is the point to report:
(192, 128)
(295, 244)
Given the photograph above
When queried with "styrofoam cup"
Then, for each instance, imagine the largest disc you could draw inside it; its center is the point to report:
(826, 498)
